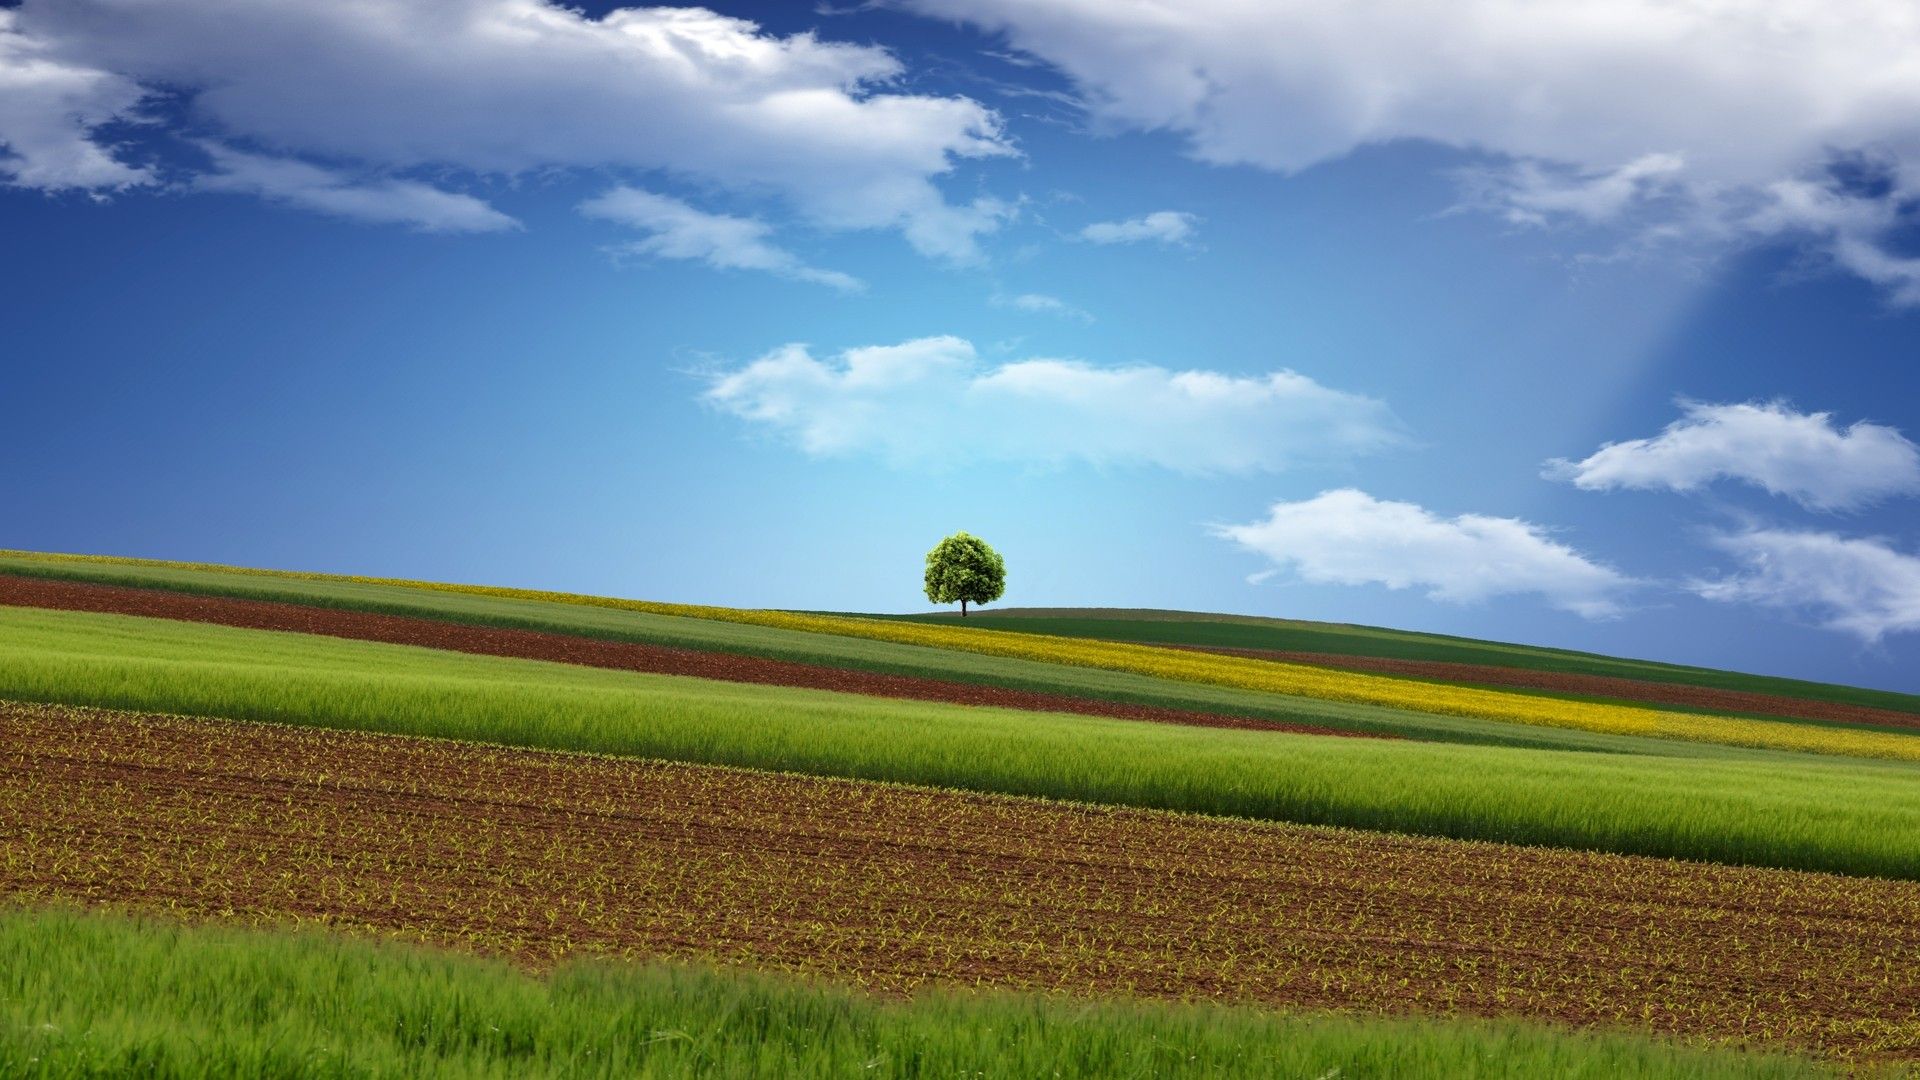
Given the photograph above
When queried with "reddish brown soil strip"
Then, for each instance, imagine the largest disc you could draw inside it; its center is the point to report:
(538, 856)
(1607, 686)
(591, 652)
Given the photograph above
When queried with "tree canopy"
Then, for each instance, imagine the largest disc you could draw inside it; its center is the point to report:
(963, 568)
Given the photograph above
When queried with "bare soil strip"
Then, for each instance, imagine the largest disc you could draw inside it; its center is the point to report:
(591, 652)
(1607, 686)
(539, 856)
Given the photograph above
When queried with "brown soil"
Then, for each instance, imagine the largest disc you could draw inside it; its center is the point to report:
(540, 856)
(1607, 686)
(589, 652)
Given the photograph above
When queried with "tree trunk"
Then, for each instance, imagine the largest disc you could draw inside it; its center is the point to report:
(963, 609)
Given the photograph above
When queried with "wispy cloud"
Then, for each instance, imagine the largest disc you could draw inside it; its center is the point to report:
(1803, 456)
(1161, 226)
(378, 200)
(1042, 304)
(676, 230)
(1347, 537)
(1863, 587)
(932, 401)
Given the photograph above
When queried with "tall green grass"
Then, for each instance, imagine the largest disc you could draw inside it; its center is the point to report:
(95, 995)
(836, 651)
(1760, 808)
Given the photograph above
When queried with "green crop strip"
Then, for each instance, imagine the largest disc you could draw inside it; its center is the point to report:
(1779, 809)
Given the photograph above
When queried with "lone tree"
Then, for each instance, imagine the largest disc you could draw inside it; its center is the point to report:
(963, 568)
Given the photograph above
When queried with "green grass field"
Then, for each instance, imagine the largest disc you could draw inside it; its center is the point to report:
(1250, 632)
(1721, 804)
(88, 995)
(830, 650)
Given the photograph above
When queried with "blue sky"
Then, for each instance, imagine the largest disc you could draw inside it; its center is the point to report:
(1210, 307)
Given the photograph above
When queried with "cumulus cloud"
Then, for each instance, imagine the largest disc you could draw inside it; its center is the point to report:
(1584, 110)
(512, 86)
(1163, 226)
(49, 108)
(932, 401)
(1347, 537)
(678, 231)
(1863, 587)
(1802, 456)
(382, 201)
(1042, 304)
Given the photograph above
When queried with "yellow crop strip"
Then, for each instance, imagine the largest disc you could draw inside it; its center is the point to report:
(1270, 676)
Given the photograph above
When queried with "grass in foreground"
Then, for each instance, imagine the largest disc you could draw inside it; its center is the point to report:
(1783, 810)
(93, 995)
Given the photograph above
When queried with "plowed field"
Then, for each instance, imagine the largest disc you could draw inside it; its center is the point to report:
(589, 652)
(539, 855)
(1608, 686)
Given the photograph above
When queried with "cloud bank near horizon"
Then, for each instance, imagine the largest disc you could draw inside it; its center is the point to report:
(1348, 537)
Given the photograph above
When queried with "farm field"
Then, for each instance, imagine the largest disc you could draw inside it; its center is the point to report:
(1725, 805)
(569, 649)
(92, 995)
(544, 857)
(572, 786)
(1289, 635)
(1599, 686)
(637, 623)
(1299, 681)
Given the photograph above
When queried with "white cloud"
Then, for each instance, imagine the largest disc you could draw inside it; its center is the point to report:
(48, 110)
(1042, 304)
(1862, 587)
(1348, 537)
(1802, 456)
(1591, 109)
(932, 401)
(513, 86)
(1530, 193)
(1163, 226)
(678, 231)
(380, 200)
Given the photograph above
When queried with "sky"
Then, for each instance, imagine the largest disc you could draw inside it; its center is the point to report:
(1578, 323)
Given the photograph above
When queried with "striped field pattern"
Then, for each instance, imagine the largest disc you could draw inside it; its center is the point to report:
(1245, 673)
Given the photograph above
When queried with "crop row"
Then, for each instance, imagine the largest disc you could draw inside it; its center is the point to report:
(543, 857)
(1302, 680)
(1739, 806)
(1243, 673)
(19, 573)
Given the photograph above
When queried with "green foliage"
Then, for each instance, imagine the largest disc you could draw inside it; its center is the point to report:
(89, 995)
(1768, 809)
(963, 568)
